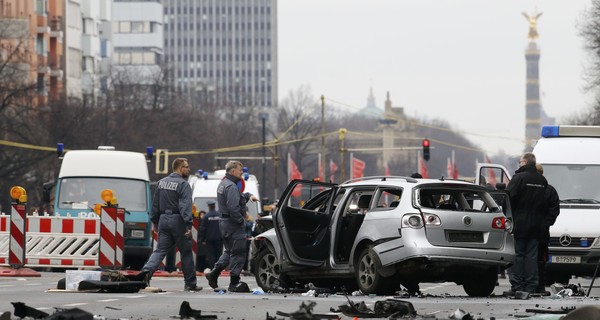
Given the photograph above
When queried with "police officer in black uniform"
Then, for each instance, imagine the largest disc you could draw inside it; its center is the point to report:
(232, 211)
(210, 235)
(171, 216)
(527, 191)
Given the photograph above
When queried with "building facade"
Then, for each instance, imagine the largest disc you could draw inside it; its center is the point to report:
(223, 49)
(138, 40)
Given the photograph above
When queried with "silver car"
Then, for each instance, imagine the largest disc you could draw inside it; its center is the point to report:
(382, 232)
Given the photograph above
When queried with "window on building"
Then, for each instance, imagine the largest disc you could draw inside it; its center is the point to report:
(124, 27)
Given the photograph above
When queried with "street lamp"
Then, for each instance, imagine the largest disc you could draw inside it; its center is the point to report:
(263, 116)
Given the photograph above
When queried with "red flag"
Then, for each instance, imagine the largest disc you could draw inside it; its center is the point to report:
(455, 171)
(423, 168)
(449, 169)
(491, 175)
(333, 168)
(358, 168)
(387, 170)
(294, 173)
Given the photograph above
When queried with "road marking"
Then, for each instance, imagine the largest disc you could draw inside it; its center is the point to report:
(33, 284)
(134, 297)
(107, 300)
(75, 304)
(7, 285)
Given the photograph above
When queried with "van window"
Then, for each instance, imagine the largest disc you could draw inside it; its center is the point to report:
(84, 193)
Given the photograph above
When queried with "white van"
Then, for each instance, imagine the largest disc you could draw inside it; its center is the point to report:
(571, 159)
(204, 188)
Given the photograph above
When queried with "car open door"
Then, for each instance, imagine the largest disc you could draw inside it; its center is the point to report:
(302, 223)
(489, 175)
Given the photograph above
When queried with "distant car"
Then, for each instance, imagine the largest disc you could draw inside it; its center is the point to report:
(380, 232)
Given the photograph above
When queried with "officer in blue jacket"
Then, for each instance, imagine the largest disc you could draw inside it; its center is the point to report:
(171, 217)
(210, 235)
(232, 211)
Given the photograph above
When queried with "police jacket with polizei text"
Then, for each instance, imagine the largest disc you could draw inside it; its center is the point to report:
(527, 192)
(209, 227)
(232, 202)
(175, 194)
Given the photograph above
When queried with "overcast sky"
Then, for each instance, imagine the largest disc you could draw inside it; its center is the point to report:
(458, 60)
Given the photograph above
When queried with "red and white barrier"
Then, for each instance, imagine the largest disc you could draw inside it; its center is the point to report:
(16, 255)
(111, 237)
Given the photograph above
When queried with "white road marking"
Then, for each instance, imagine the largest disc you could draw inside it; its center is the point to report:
(75, 304)
(107, 300)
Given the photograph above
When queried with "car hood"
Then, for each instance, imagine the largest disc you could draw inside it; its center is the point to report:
(577, 223)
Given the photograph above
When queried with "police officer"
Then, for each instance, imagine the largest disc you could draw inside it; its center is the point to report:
(527, 198)
(232, 211)
(210, 235)
(171, 217)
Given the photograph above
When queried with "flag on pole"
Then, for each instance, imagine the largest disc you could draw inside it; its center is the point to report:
(491, 175)
(358, 168)
(387, 170)
(423, 168)
(333, 168)
(455, 171)
(449, 169)
(321, 171)
(294, 173)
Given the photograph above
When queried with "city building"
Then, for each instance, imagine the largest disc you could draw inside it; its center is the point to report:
(31, 38)
(137, 40)
(226, 50)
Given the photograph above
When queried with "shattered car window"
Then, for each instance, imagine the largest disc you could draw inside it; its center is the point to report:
(453, 199)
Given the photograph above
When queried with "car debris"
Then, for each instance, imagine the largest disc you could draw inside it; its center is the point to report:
(187, 312)
(460, 314)
(306, 313)
(388, 308)
(111, 281)
(22, 310)
(563, 310)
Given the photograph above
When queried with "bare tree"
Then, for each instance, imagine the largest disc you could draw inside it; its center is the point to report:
(590, 31)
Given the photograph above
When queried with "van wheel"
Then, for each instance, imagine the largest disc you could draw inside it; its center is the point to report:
(267, 271)
(481, 285)
(368, 278)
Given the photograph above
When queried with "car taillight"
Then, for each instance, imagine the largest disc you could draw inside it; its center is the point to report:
(412, 220)
(432, 219)
(499, 223)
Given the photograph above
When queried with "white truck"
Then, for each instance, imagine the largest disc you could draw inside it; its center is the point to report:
(85, 173)
(570, 156)
(204, 188)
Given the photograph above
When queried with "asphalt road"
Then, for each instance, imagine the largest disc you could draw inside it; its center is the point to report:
(439, 300)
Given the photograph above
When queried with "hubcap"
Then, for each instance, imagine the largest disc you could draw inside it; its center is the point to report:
(366, 271)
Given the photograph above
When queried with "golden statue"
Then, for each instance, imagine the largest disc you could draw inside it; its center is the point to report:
(533, 34)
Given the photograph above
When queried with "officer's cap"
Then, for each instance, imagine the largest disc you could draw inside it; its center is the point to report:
(211, 202)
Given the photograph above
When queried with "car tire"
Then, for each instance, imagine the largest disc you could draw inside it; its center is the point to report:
(368, 278)
(481, 285)
(267, 271)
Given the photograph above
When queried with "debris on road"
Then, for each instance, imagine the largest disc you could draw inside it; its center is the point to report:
(460, 314)
(187, 312)
(306, 313)
(389, 308)
(563, 310)
(22, 310)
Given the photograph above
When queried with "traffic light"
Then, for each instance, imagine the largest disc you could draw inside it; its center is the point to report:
(426, 154)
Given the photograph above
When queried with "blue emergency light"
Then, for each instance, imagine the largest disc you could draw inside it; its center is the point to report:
(149, 152)
(199, 172)
(205, 175)
(60, 149)
(550, 131)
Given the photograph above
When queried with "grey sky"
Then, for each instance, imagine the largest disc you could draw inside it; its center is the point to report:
(459, 60)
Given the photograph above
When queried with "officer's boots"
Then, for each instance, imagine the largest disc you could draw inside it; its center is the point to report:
(212, 277)
(235, 285)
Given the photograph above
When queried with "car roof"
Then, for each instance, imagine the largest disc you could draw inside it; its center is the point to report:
(397, 180)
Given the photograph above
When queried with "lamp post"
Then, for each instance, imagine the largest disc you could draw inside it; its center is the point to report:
(263, 116)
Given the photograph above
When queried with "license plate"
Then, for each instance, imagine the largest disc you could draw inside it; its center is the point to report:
(564, 259)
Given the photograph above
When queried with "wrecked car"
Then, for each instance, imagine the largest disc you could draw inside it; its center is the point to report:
(377, 233)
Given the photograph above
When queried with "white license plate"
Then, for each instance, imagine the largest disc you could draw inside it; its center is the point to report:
(565, 259)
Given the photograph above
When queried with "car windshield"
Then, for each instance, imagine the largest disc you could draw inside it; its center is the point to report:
(574, 183)
(83, 193)
(455, 199)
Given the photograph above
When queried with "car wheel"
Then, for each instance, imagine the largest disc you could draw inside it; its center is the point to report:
(368, 278)
(267, 271)
(481, 285)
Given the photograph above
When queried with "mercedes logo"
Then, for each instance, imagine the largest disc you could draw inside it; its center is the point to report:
(467, 220)
(565, 240)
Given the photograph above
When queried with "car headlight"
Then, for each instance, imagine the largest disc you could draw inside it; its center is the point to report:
(597, 243)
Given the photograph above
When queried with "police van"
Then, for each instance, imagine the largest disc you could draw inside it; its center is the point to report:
(570, 156)
(85, 173)
(204, 187)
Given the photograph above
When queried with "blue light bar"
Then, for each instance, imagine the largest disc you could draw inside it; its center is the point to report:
(205, 175)
(149, 152)
(60, 149)
(550, 131)
(246, 176)
(200, 172)
(245, 169)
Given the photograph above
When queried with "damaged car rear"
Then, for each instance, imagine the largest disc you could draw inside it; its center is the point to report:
(378, 233)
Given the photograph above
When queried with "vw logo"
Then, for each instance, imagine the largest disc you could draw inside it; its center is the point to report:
(565, 240)
(467, 220)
